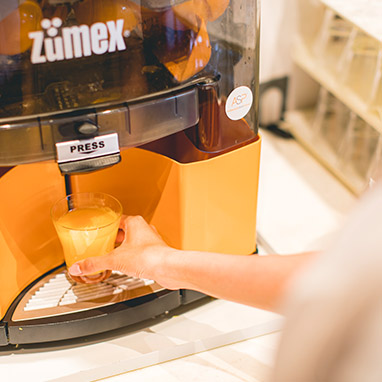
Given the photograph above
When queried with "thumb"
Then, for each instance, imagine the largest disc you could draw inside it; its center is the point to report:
(93, 265)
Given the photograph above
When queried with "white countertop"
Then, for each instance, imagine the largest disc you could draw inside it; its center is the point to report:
(300, 207)
(300, 204)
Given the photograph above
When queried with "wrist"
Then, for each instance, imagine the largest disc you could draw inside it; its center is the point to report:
(166, 267)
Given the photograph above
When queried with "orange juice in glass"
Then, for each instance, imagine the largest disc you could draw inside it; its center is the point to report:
(87, 226)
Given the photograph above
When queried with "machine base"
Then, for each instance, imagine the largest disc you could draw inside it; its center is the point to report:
(38, 317)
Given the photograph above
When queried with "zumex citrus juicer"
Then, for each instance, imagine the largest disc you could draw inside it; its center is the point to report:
(152, 102)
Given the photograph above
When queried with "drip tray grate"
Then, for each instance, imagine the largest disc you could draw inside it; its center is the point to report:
(58, 294)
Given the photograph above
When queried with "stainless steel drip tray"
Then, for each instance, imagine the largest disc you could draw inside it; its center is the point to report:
(57, 294)
(56, 308)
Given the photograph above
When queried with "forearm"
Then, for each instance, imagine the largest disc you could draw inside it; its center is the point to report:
(254, 280)
(258, 281)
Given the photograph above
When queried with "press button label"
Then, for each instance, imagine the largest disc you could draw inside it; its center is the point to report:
(87, 148)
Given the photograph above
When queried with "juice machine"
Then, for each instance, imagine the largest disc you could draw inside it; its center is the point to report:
(151, 101)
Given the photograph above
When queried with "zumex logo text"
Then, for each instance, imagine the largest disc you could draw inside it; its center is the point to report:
(54, 43)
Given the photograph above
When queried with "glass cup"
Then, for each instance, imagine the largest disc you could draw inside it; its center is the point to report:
(87, 226)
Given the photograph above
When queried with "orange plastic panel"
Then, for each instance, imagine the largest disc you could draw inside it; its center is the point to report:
(208, 205)
(29, 246)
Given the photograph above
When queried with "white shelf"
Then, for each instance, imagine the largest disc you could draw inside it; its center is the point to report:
(366, 15)
(300, 123)
(305, 59)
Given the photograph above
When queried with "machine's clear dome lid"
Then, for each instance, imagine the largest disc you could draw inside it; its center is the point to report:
(64, 55)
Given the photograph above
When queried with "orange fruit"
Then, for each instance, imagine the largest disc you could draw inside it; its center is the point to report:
(200, 55)
(15, 27)
(216, 8)
(92, 11)
(50, 11)
(190, 12)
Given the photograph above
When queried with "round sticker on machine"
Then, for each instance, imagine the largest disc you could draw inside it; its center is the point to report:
(238, 103)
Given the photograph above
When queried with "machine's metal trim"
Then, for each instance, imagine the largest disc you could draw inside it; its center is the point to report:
(88, 165)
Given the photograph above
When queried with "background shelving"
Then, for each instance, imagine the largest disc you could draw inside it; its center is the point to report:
(339, 47)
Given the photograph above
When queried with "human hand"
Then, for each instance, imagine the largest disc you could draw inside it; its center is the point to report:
(141, 253)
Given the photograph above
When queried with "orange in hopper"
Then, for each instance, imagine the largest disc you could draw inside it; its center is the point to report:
(50, 10)
(209, 10)
(200, 55)
(92, 11)
(195, 14)
(15, 27)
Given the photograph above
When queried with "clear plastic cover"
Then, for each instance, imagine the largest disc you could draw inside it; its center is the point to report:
(71, 56)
